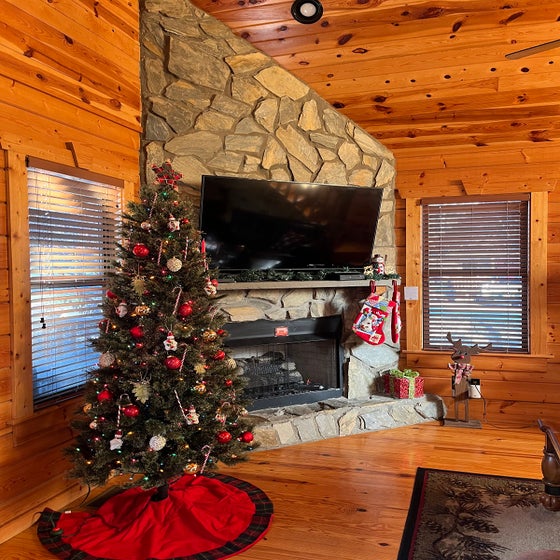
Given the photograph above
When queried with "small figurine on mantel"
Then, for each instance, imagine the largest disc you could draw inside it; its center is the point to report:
(461, 380)
(378, 264)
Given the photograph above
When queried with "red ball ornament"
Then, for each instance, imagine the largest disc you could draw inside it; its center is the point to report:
(172, 362)
(139, 345)
(223, 437)
(131, 410)
(246, 437)
(219, 355)
(140, 250)
(214, 282)
(104, 395)
(110, 294)
(184, 310)
(221, 332)
(229, 382)
(137, 332)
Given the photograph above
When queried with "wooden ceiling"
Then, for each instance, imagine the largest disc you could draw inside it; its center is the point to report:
(418, 74)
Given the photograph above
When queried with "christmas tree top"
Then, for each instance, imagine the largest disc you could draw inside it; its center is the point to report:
(165, 398)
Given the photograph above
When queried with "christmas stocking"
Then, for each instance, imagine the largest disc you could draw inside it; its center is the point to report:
(368, 324)
(396, 323)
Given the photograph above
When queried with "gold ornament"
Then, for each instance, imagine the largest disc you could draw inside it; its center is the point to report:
(174, 264)
(209, 335)
(191, 468)
(87, 408)
(200, 388)
(230, 363)
(142, 310)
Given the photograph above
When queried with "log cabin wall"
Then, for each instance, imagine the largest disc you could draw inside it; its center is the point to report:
(69, 94)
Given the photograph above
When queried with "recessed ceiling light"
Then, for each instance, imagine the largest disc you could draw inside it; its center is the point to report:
(307, 11)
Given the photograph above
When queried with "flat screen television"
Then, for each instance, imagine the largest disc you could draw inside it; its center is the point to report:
(255, 224)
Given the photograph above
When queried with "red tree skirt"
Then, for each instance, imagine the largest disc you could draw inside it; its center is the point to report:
(207, 517)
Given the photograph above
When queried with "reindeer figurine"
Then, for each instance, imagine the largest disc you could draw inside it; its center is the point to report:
(462, 368)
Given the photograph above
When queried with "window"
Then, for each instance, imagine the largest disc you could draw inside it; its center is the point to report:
(475, 273)
(74, 218)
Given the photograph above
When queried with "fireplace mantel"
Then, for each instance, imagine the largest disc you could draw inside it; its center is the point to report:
(300, 284)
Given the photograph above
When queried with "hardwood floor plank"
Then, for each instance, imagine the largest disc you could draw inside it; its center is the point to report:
(347, 498)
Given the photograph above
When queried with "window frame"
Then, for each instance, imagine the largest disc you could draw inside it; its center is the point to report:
(83, 286)
(19, 275)
(436, 211)
(538, 218)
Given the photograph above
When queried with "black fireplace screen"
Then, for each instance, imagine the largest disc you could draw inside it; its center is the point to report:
(293, 362)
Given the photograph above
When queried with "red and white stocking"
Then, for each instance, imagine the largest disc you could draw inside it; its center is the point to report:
(369, 322)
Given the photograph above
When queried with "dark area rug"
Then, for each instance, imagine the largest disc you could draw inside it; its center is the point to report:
(465, 516)
(205, 517)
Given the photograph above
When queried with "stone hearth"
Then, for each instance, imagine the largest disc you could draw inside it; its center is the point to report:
(341, 417)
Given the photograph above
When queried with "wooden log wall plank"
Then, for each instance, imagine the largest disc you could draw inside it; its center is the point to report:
(484, 180)
(18, 97)
(113, 14)
(52, 423)
(118, 30)
(50, 82)
(53, 49)
(451, 157)
(25, 476)
(47, 139)
(413, 308)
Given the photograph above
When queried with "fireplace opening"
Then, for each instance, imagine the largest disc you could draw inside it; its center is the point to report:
(289, 362)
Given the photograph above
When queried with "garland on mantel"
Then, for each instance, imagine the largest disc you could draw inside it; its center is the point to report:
(272, 275)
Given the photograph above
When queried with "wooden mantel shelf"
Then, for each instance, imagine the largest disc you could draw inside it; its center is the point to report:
(299, 284)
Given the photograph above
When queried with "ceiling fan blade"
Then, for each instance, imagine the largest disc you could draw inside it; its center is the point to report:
(533, 50)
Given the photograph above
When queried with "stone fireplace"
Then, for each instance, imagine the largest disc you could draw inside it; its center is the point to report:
(265, 316)
(353, 407)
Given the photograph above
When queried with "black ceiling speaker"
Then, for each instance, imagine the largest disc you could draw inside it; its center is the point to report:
(307, 11)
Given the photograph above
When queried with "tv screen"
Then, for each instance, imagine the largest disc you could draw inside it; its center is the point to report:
(254, 224)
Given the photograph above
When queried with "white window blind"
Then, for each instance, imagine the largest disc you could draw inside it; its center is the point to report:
(73, 225)
(475, 273)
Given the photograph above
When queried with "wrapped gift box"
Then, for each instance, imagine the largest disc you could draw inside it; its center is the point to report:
(403, 385)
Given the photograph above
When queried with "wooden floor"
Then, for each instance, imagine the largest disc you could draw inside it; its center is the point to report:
(347, 498)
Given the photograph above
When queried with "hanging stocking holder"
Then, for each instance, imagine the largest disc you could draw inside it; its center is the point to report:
(369, 322)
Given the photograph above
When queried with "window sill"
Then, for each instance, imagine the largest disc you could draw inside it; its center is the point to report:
(485, 360)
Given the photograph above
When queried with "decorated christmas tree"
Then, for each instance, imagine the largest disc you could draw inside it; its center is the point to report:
(165, 399)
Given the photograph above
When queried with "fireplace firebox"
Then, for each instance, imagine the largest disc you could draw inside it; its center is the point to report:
(288, 362)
